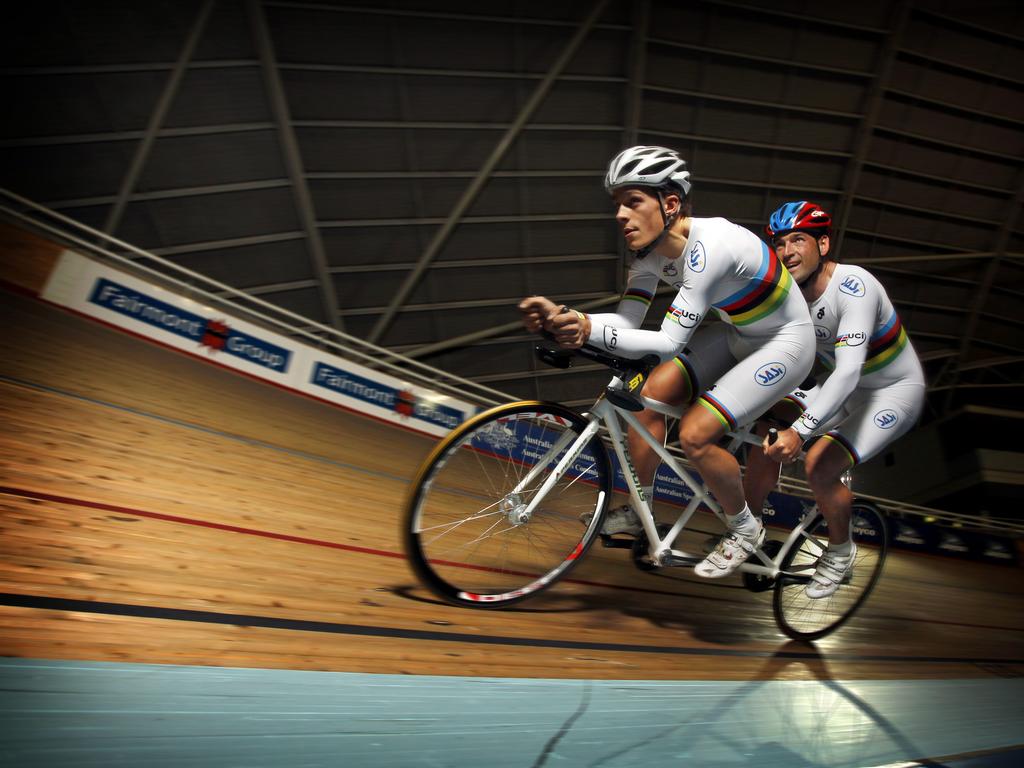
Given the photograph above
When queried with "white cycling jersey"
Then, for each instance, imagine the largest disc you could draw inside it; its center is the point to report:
(764, 349)
(726, 268)
(860, 338)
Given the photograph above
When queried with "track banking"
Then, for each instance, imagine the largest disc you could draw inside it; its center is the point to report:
(172, 319)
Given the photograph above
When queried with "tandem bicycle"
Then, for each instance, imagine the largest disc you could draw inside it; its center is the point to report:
(511, 500)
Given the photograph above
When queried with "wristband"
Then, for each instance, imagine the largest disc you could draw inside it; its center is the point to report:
(563, 309)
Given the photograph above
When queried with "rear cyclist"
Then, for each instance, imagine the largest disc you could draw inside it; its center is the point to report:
(734, 370)
(874, 394)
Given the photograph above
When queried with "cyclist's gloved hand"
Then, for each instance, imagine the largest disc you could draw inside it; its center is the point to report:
(535, 311)
(570, 327)
(786, 447)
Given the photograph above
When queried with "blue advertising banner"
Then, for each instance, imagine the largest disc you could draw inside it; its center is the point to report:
(402, 400)
(217, 335)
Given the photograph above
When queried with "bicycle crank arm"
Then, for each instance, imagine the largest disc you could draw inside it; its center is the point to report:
(611, 542)
(677, 558)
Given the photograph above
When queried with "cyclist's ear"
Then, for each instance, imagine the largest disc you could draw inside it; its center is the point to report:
(673, 202)
(824, 243)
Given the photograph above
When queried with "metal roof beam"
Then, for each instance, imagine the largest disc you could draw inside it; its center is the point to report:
(775, 13)
(438, 220)
(116, 69)
(489, 74)
(163, 133)
(170, 194)
(984, 286)
(945, 181)
(444, 16)
(703, 139)
(929, 277)
(637, 67)
(156, 120)
(590, 258)
(761, 59)
(772, 105)
(471, 192)
(872, 111)
(992, 362)
(293, 160)
(932, 212)
(959, 68)
(922, 139)
(950, 106)
(975, 29)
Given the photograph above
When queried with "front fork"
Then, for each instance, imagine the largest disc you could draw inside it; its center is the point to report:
(511, 505)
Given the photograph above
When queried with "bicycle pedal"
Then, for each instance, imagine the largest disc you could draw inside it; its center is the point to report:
(611, 542)
(682, 560)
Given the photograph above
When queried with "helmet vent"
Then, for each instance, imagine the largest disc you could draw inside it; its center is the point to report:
(658, 167)
(629, 167)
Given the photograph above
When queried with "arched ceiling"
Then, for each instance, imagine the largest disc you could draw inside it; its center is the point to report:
(407, 171)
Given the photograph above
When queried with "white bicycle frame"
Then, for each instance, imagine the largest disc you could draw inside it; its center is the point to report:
(660, 550)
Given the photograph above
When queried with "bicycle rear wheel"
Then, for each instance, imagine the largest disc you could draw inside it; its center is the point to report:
(802, 618)
(468, 535)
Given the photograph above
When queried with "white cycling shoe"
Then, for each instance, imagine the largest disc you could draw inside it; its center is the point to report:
(732, 551)
(619, 520)
(832, 571)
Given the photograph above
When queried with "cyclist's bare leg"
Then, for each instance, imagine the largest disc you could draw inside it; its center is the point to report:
(825, 464)
(699, 432)
(761, 475)
(667, 384)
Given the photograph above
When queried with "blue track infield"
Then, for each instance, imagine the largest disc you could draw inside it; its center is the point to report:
(60, 713)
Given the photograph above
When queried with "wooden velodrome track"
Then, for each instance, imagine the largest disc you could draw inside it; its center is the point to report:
(157, 508)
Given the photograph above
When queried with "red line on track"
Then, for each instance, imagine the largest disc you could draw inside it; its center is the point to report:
(40, 496)
(192, 521)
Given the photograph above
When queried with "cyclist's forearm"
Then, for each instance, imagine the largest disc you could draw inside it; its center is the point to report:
(632, 342)
(839, 386)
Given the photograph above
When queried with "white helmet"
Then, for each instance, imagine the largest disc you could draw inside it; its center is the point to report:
(648, 167)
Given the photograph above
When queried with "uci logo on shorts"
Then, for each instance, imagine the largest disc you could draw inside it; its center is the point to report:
(770, 373)
(886, 419)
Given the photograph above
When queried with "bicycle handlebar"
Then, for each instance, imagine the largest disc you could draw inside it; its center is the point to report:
(562, 358)
(632, 372)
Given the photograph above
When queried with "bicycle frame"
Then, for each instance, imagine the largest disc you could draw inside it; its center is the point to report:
(660, 549)
(552, 467)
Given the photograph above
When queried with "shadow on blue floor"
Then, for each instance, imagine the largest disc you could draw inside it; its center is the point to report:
(103, 714)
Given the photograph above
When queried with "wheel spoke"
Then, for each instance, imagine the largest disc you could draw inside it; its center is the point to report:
(803, 617)
(468, 536)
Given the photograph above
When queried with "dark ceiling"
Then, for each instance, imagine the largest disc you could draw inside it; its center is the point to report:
(406, 171)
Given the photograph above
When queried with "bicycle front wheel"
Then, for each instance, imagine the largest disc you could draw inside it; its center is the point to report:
(804, 618)
(471, 534)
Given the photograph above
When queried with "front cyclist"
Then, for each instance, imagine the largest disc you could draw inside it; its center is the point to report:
(733, 370)
(874, 394)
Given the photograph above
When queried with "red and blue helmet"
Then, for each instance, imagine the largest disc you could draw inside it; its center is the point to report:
(801, 215)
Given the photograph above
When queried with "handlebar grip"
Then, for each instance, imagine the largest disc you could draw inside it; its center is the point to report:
(773, 435)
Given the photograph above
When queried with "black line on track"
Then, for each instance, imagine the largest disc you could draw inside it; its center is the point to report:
(270, 622)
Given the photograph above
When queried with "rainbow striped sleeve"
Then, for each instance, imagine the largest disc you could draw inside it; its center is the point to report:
(885, 345)
(638, 294)
(762, 295)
